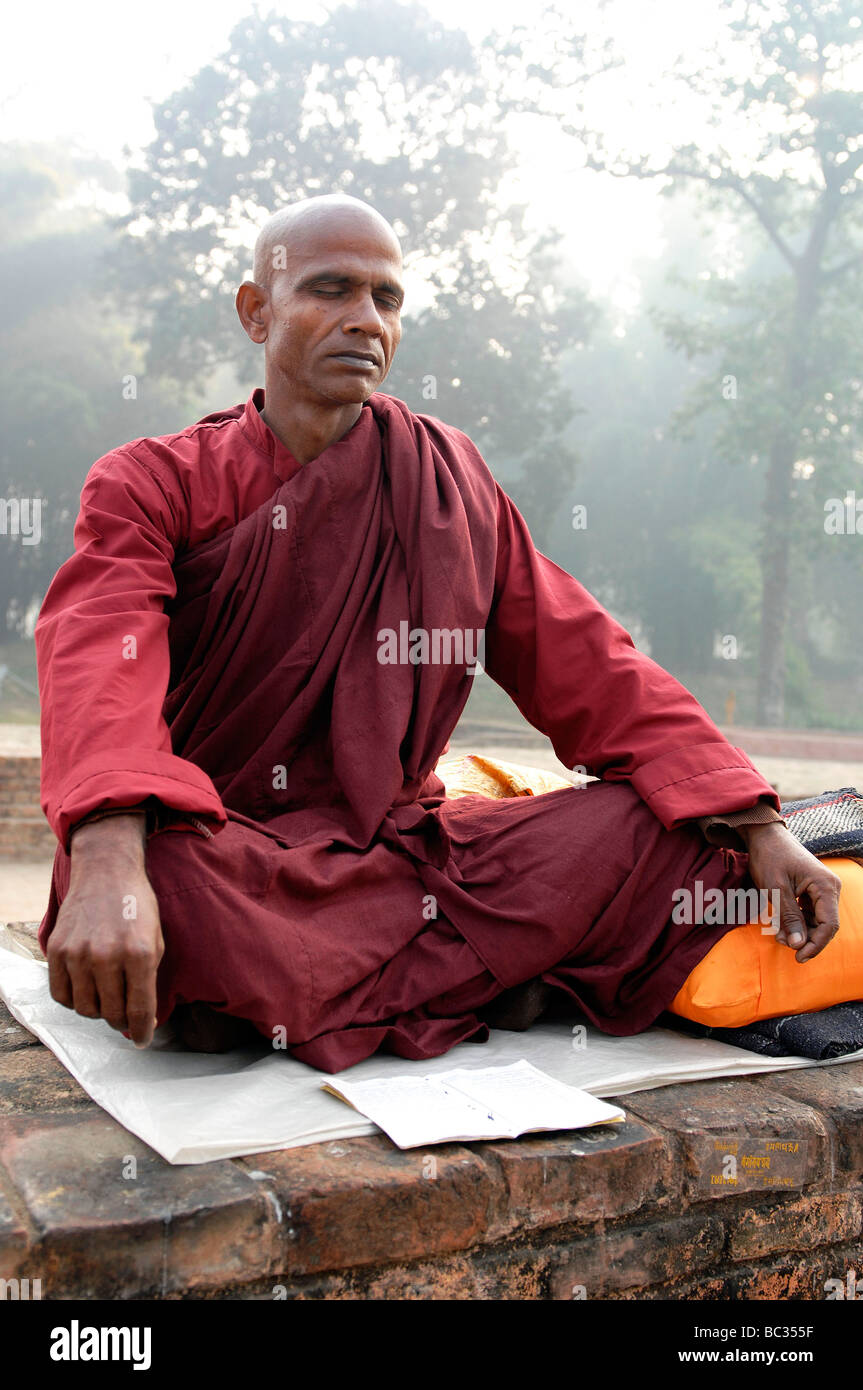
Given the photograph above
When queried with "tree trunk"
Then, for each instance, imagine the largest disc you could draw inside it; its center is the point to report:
(776, 551)
(774, 584)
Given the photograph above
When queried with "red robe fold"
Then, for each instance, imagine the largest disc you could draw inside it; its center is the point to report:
(347, 901)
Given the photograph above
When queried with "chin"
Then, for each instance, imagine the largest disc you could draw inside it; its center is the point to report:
(353, 395)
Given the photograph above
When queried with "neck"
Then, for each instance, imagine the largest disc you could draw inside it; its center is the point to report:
(307, 429)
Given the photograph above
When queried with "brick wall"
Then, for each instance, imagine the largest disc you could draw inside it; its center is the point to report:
(620, 1212)
(24, 832)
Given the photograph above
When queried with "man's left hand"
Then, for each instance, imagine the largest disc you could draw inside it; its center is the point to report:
(809, 891)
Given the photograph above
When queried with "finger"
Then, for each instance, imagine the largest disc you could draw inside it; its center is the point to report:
(141, 1003)
(58, 979)
(111, 990)
(792, 927)
(85, 997)
(823, 904)
(775, 928)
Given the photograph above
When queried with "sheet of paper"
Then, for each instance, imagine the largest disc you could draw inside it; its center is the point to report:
(465, 1104)
(197, 1107)
(417, 1110)
(521, 1093)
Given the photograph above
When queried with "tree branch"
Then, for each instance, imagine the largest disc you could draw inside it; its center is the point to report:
(735, 183)
(836, 270)
(725, 180)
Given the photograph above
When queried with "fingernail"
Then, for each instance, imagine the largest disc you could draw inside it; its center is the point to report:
(797, 939)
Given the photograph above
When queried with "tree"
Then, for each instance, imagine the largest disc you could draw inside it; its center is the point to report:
(666, 539)
(780, 342)
(72, 384)
(383, 102)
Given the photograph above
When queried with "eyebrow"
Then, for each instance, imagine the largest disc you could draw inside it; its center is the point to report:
(338, 277)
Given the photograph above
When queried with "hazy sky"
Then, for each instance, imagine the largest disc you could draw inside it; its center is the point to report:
(88, 72)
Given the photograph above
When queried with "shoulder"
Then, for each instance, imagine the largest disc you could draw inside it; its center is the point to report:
(167, 457)
(446, 436)
(156, 482)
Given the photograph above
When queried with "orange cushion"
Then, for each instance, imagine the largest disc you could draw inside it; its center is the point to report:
(748, 975)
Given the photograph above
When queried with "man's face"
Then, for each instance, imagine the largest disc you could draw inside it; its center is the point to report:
(334, 312)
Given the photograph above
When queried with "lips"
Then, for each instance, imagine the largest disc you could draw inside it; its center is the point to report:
(366, 359)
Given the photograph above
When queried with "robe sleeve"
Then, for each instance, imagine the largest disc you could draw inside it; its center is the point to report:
(103, 658)
(577, 676)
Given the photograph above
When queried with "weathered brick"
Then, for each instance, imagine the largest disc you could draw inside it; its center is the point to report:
(836, 1093)
(33, 1081)
(14, 1243)
(481, 1275)
(795, 1276)
(843, 1266)
(13, 1034)
(584, 1176)
(821, 1219)
(543, 1272)
(705, 1119)
(158, 1229)
(468, 1275)
(708, 1288)
(26, 837)
(364, 1201)
(638, 1256)
(778, 1277)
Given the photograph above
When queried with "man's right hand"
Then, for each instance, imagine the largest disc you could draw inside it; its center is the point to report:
(105, 948)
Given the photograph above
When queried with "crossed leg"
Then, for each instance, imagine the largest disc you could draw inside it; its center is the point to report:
(334, 951)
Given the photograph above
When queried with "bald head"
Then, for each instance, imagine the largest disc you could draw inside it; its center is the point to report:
(326, 305)
(293, 226)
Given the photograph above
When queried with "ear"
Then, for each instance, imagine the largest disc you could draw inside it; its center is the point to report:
(253, 304)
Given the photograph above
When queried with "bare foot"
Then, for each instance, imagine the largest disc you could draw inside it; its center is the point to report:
(204, 1029)
(516, 1009)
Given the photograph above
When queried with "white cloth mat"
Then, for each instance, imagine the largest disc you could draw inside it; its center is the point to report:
(193, 1107)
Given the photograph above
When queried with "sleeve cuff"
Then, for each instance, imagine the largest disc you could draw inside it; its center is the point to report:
(694, 781)
(130, 780)
(722, 829)
(159, 818)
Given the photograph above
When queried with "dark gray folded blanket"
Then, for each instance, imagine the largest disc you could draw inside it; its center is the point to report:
(831, 823)
(826, 1033)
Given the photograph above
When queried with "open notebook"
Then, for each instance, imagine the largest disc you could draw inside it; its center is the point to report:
(475, 1103)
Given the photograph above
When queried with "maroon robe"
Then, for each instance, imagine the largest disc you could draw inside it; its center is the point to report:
(329, 889)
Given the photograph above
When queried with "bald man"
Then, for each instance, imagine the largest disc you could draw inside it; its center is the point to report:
(250, 667)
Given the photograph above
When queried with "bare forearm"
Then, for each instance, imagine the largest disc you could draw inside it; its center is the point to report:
(128, 829)
(108, 848)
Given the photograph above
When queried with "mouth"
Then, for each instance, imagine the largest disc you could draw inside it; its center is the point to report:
(365, 361)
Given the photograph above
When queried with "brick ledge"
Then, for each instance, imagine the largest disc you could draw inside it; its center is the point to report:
(617, 1213)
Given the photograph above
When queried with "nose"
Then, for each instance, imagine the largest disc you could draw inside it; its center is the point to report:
(363, 316)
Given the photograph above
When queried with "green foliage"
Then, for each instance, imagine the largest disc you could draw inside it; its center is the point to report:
(783, 367)
(65, 354)
(385, 103)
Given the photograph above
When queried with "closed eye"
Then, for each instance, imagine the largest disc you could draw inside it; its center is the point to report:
(387, 302)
